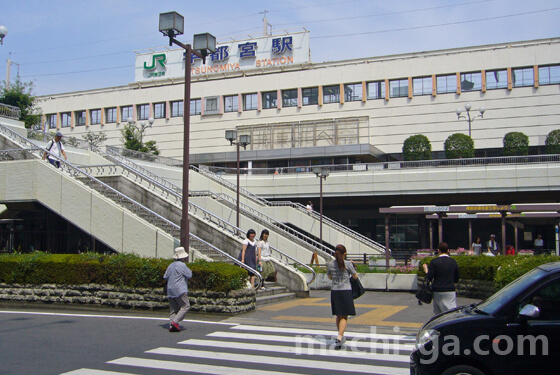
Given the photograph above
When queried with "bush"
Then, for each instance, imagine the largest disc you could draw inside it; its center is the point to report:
(119, 270)
(417, 147)
(517, 266)
(553, 142)
(501, 269)
(516, 144)
(459, 145)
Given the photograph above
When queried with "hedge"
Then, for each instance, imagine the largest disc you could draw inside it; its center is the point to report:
(500, 269)
(119, 270)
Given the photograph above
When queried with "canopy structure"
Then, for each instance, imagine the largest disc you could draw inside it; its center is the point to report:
(513, 212)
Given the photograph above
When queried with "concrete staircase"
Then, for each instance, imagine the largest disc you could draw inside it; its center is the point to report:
(273, 293)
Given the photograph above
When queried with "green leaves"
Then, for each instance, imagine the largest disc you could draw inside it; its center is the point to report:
(516, 144)
(553, 142)
(459, 145)
(417, 147)
(20, 94)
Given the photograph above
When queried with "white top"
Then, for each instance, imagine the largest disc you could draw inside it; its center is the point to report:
(539, 242)
(266, 254)
(247, 242)
(56, 148)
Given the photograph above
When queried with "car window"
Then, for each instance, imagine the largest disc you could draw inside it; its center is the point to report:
(547, 299)
(509, 292)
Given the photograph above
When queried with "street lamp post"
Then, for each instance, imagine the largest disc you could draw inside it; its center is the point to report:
(143, 126)
(3, 33)
(322, 173)
(172, 24)
(244, 141)
(468, 116)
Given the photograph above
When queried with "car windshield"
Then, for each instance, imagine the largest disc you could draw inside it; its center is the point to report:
(504, 295)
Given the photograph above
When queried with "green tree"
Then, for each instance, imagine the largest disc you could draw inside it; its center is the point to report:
(417, 147)
(132, 140)
(515, 144)
(553, 142)
(20, 94)
(459, 145)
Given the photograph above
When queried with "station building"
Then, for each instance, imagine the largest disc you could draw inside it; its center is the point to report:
(301, 113)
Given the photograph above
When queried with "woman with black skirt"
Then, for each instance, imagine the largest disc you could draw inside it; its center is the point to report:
(342, 303)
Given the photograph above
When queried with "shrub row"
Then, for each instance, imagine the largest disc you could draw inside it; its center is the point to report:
(501, 269)
(120, 270)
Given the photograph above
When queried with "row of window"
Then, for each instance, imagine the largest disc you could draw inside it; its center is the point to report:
(449, 83)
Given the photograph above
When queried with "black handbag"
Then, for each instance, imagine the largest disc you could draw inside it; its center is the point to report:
(357, 288)
(425, 293)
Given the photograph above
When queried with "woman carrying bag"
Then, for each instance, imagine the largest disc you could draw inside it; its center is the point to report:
(342, 301)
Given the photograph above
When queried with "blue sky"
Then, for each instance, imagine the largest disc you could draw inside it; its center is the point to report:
(66, 46)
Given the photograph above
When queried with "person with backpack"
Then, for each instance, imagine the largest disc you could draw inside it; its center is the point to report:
(55, 148)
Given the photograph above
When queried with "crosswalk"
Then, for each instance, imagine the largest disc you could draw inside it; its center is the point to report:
(256, 350)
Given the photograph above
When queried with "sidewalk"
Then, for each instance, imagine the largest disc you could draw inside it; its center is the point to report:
(388, 312)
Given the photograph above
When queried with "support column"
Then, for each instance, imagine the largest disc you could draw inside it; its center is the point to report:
(503, 233)
(387, 256)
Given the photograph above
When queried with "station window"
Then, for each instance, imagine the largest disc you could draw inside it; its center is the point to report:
(398, 88)
(231, 103)
(496, 79)
(353, 92)
(471, 81)
(143, 111)
(126, 112)
(196, 106)
(81, 117)
(250, 102)
(331, 94)
(270, 99)
(111, 115)
(95, 116)
(66, 119)
(177, 108)
(289, 98)
(522, 77)
(310, 95)
(51, 121)
(422, 86)
(376, 90)
(159, 110)
(549, 75)
(446, 84)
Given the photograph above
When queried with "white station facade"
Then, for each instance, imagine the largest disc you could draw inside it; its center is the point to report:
(304, 113)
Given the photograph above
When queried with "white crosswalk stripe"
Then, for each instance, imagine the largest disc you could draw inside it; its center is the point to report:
(254, 350)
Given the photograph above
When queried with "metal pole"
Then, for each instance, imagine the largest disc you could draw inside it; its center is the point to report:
(185, 230)
(237, 145)
(387, 239)
(321, 209)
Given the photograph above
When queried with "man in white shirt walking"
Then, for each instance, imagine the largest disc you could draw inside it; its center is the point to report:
(55, 148)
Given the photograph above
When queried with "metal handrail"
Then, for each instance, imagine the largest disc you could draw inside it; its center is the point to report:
(144, 156)
(74, 172)
(297, 206)
(9, 111)
(47, 136)
(171, 190)
(297, 236)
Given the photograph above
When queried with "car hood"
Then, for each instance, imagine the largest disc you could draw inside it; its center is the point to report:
(460, 313)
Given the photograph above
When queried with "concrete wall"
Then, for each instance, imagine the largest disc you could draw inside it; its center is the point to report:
(35, 180)
(532, 110)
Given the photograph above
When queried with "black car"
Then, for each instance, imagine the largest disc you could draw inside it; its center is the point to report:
(515, 331)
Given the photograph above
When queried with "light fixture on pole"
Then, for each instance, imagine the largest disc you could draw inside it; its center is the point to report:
(3, 33)
(172, 24)
(322, 173)
(143, 126)
(244, 141)
(468, 116)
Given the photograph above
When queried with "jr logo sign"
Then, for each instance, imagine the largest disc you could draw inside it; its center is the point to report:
(156, 59)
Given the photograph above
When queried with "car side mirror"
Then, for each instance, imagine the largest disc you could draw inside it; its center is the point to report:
(529, 312)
